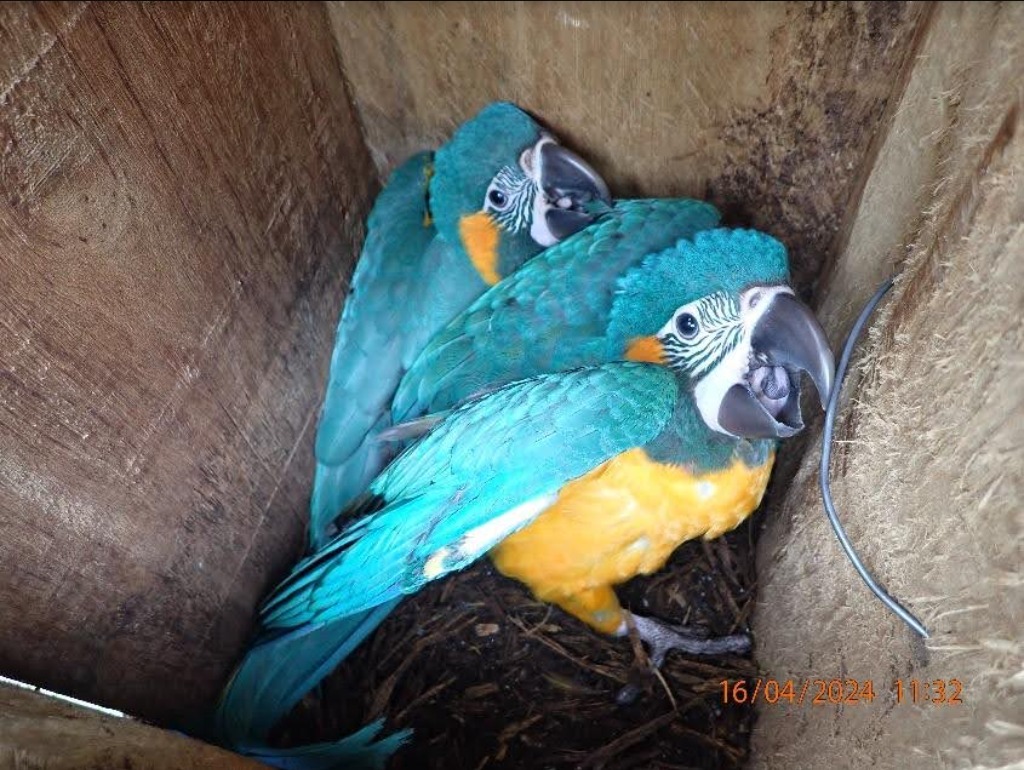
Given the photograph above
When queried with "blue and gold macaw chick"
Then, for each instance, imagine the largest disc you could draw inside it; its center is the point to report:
(576, 481)
(445, 228)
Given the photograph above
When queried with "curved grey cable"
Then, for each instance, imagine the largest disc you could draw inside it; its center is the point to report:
(826, 455)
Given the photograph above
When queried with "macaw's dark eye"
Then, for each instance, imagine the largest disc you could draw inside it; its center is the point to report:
(687, 326)
(497, 198)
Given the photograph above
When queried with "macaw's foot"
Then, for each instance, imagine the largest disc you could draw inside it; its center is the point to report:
(661, 638)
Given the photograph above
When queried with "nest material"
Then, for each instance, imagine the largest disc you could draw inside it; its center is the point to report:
(491, 678)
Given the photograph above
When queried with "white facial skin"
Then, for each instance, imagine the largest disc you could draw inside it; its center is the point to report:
(539, 230)
(715, 327)
(519, 197)
(515, 197)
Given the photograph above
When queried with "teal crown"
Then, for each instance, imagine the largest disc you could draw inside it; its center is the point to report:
(713, 260)
(465, 166)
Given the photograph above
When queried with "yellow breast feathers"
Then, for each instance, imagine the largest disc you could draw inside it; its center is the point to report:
(625, 518)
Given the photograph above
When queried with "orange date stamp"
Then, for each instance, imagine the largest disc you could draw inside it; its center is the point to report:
(836, 692)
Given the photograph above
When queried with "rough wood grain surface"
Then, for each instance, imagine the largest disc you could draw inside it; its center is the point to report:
(41, 733)
(765, 108)
(928, 471)
(182, 190)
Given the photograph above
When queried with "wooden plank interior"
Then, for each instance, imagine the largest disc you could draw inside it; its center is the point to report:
(183, 189)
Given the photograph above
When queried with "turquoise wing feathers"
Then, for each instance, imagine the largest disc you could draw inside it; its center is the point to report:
(481, 474)
(436, 501)
(372, 339)
(552, 314)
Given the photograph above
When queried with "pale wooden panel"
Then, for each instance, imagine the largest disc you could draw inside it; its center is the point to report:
(765, 108)
(40, 732)
(929, 466)
(182, 194)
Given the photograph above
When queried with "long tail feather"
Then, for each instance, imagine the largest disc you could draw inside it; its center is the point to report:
(275, 675)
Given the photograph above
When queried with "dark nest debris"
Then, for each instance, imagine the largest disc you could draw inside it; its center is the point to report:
(491, 678)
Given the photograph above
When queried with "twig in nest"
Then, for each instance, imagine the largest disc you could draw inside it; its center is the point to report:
(744, 617)
(737, 614)
(710, 671)
(723, 583)
(668, 690)
(727, 559)
(393, 648)
(543, 622)
(623, 742)
(734, 754)
(512, 731)
(449, 588)
(635, 642)
(383, 694)
(424, 696)
(555, 646)
(481, 691)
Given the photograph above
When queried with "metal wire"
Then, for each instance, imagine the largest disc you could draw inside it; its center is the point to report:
(826, 455)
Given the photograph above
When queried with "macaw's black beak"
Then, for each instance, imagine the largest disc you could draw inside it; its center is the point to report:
(787, 340)
(577, 193)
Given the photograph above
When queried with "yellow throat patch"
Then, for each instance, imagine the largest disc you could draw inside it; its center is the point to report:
(480, 235)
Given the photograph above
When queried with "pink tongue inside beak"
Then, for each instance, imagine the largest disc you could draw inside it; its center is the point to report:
(771, 386)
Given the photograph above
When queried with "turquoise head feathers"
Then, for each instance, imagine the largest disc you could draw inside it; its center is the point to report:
(503, 189)
(720, 260)
(718, 309)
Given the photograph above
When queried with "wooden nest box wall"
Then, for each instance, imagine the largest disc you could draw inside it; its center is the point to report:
(183, 189)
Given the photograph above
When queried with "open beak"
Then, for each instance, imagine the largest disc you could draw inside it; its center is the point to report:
(576, 193)
(787, 340)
